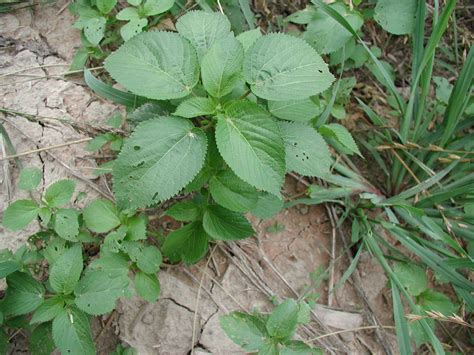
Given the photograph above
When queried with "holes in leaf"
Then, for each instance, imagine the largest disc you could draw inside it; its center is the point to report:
(136, 147)
(155, 196)
(320, 71)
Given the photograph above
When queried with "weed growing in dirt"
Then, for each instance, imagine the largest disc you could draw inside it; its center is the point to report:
(270, 333)
(58, 277)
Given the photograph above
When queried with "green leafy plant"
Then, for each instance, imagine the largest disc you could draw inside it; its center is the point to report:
(270, 333)
(53, 286)
(221, 144)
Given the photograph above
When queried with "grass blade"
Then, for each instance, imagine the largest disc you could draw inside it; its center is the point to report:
(401, 325)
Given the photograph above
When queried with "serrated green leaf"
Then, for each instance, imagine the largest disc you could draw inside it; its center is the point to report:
(245, 330)
(250, 142)
(147, 286)
(196, 106)
(67, 269)
(228, 190)
(115, 263)
(223, 224)
(281, 67)
(397, 17)
(149, 260)
(295, 110)
(281, 323)
(19, 214)
(113, 241)
(135, 2)
(267, 206)
(98, 142)
(326, 34)
(431, 300)
(41, 340)
(304, 313)
(155, 7)
(127, 14)
(136, 227)
(412, 277)
(105, 6)
(157, 65)
(24, 294)
(160, 158)
(185, 211)
(48, 310)
(30, 178)
(303, 17)
(342, 135)
(94, 30)
(306, 151)
(101, 216)
(54, 250)
(189, 243)
(66, 224)
(80, 59)
(248, 38)
(72, 333)
(203, 29)
(133, 28)
(97, 292)
(59, 193)
(269, 348)
(221, 66)
(45, 215)
(297, 347)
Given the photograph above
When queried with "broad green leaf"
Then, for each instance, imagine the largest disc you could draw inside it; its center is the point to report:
(341, 135)
(412, 277)
(189, 243)
(94, 30)
(149, 260)
(196, 106)
(127, 14)
(281, 67)
(54, 250)
(282, 322)
(248, 38)
(113, 241)
(98, 142)
(304, 313)
(157, 65)
(24, 294)
(105, 6)
(45, 215)
(19, 214)
(134, 2)
(160, 158)
(297, 347)
(72, 333)
(269, 348)
(203, 29)
(8, 265)
(267, 206)
(116, 263)
(186, 211)
(221, 66)
(295, 110)
(155, 7)
(66, 224)
(59, 193)
(326, 34)
(250, 142)
(222, 224)
(303, 17)
(66, 271)
(397, 17)
(80, 59)
(101, 216)
(30, 178)
(431, 300)
(228, 190)
(133, 28)
(97, 291)
(245, 330)
(306, 151)
(41, 340)
(136, 227)
(48, 310)
(147, 286)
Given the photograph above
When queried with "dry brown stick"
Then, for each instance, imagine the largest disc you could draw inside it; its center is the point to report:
(198, 296)
(107, 324)
(44, 149)
(352, 330)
